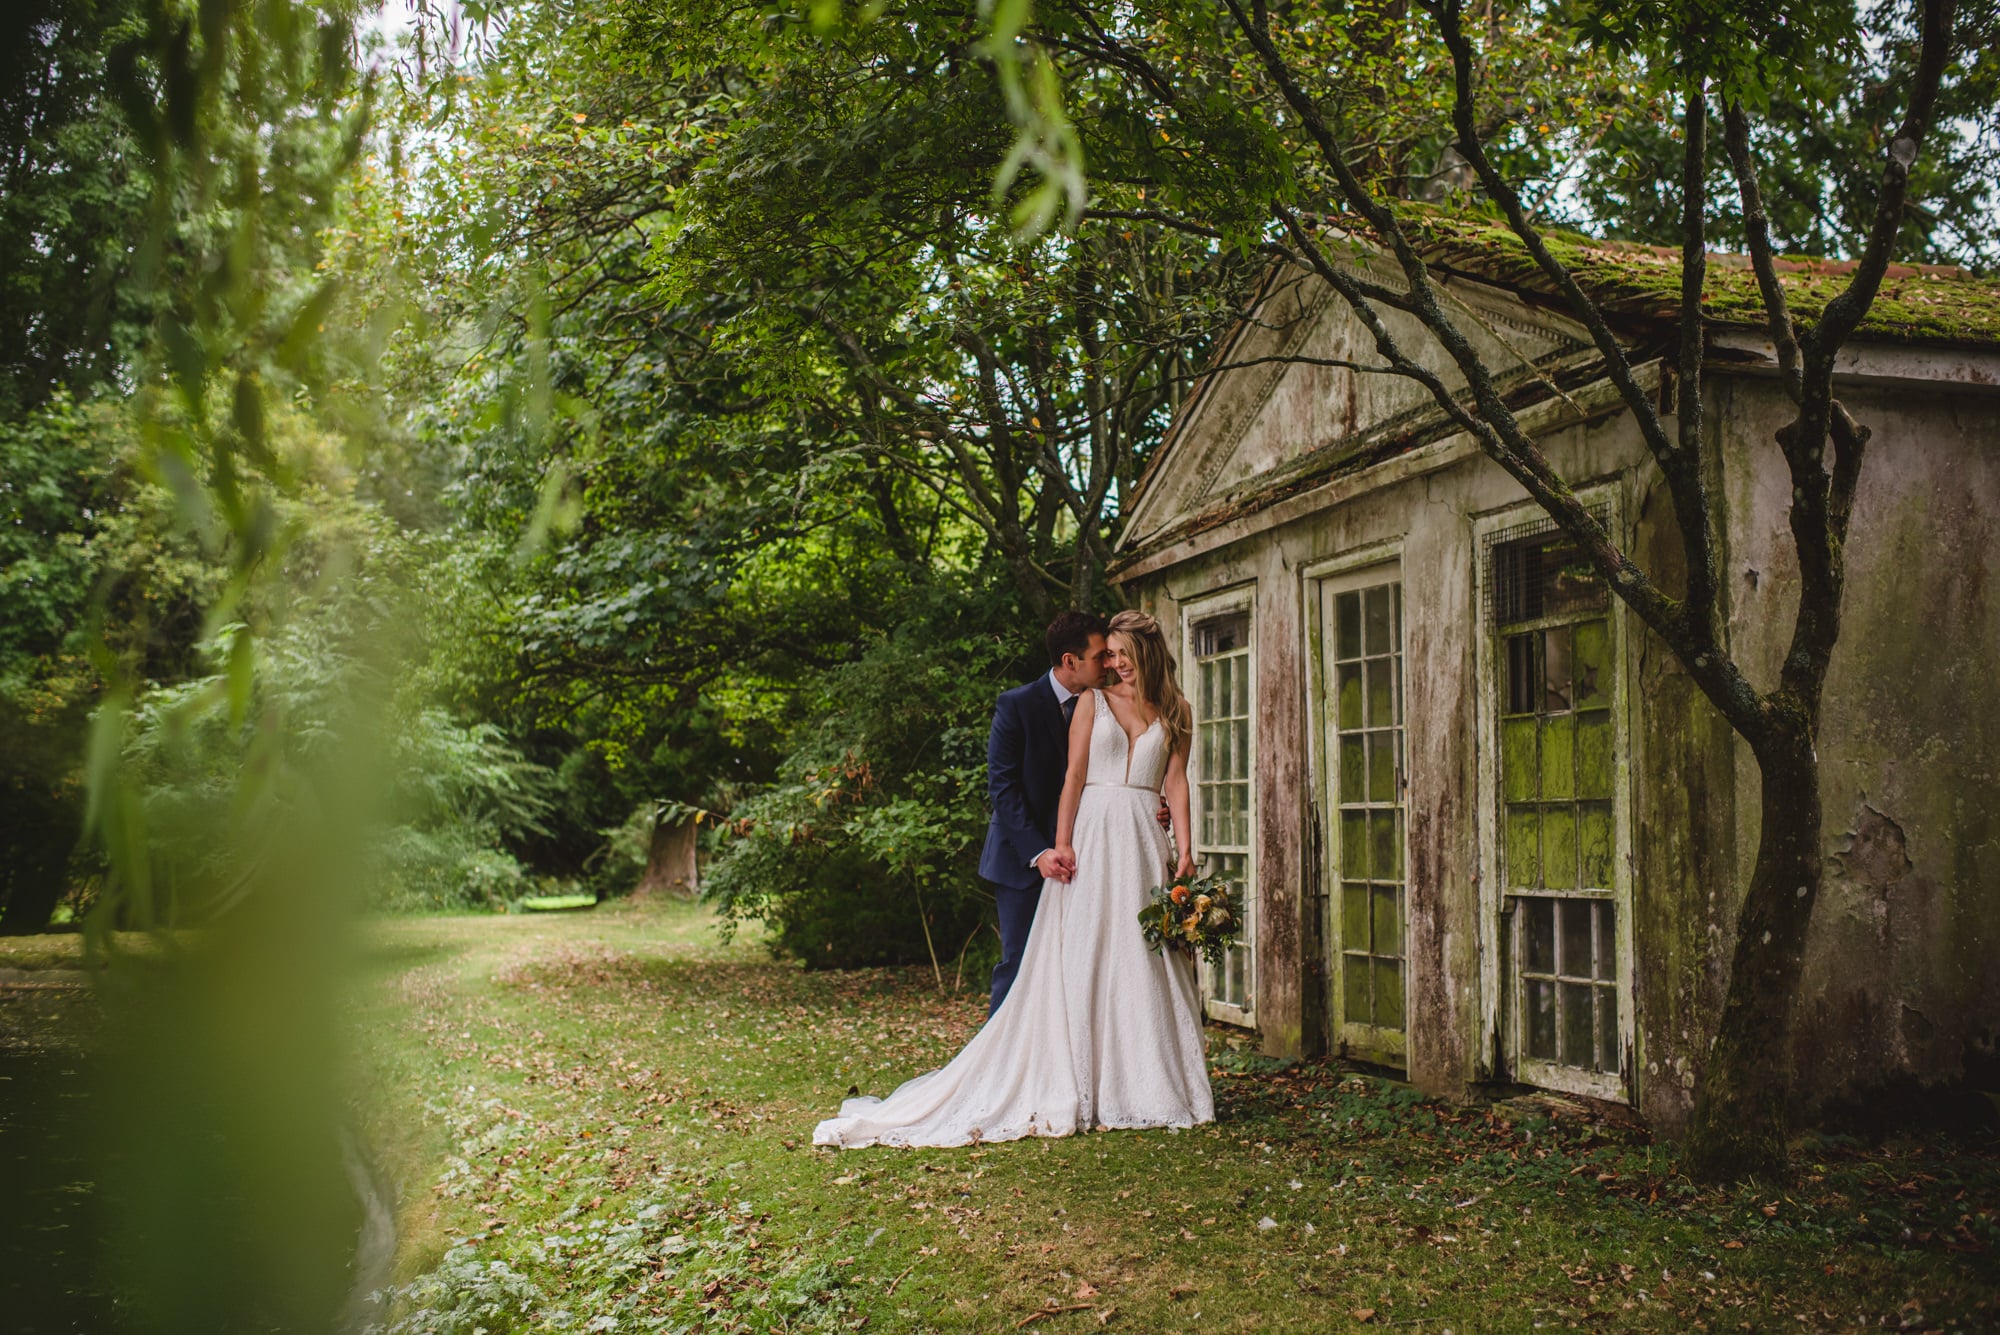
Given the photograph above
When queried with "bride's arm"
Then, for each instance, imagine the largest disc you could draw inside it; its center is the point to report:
(1074, 776)
(1176, 789)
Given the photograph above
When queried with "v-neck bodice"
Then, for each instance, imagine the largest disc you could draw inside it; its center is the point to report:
(1120, 760)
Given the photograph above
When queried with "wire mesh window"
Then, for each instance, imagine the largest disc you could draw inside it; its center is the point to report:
(1222, 783)
(1366, 662)
(1536, 572)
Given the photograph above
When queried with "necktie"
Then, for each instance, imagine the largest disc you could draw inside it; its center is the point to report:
(1069, 710)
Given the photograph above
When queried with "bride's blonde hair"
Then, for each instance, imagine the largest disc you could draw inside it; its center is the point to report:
(1147, 646)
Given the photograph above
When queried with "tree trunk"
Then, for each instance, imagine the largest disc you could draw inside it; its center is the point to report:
(1740, 1119)
(35, 847)
(673, 860)
(1028, 581)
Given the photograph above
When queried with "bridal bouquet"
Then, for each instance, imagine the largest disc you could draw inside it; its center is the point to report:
(1197, 914)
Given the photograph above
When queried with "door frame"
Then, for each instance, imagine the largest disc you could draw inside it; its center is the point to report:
(1240, 596)
(1355, 568)
(1497, 929)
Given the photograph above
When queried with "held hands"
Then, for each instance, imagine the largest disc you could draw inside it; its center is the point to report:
(1058, 864)
(1165, 815)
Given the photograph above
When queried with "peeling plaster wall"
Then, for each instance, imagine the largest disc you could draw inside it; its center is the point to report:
(1424, 522)
(1685, 883)
(1900, 979)
(1266, 412)
(1901, 983)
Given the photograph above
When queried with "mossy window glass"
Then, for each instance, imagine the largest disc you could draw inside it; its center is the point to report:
(1363, 659)
(1222, 712)
(1557, 783)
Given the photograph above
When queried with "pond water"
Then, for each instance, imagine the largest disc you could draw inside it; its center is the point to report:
(51, 1224)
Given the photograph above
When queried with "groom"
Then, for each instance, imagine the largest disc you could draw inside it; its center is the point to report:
(1026, 755)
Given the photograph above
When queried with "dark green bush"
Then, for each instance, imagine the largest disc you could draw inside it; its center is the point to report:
(864, 850)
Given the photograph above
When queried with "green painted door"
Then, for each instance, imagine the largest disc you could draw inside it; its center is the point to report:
(1361, 707)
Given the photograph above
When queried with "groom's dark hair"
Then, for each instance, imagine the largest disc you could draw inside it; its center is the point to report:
(1070, 634)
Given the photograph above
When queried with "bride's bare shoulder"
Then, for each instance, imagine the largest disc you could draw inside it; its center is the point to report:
(1086, 708)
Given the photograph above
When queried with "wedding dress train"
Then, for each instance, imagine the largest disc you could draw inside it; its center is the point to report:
(1098, 1030)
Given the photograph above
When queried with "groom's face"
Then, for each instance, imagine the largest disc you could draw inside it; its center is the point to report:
(1087, 671)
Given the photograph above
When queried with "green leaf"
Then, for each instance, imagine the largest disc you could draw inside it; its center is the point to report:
(242, 672)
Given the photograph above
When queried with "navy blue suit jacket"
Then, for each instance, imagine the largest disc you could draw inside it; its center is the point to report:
(1027, 754)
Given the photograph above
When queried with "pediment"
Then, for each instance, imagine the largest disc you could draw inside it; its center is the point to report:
(1300, 377)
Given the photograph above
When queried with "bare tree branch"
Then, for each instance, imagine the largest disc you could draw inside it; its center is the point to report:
(1757, 229)
(1472, 145)
(1846, 310)
(1495, 426)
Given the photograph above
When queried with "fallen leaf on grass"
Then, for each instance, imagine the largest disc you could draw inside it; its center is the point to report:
(1085, 1290)
(1363, 1314)
(1182, 1291)
(1733, 1245)
(1053, 1309)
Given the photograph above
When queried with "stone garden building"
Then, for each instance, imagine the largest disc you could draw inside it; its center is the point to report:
(1491, 833)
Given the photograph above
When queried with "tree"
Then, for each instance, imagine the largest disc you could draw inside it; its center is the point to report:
(1818, 142)
(876, 283)
(749, 322)
(1723, 65)
(72, 204)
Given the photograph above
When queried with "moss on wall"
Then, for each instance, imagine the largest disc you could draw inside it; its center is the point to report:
(1900, 974)
(1898, 983)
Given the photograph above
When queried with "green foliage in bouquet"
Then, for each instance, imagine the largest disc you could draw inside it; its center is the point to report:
(1198, 914)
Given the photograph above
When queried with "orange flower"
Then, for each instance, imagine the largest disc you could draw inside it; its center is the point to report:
(1179, 894)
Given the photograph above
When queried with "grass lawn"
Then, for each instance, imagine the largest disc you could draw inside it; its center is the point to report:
(607, 1117)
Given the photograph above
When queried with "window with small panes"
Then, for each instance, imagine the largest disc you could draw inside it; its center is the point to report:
(1222, 787)
(1557, 784)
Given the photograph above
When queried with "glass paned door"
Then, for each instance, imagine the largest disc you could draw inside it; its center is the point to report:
(1221, 772)
(1557, 835)
(1362, 711)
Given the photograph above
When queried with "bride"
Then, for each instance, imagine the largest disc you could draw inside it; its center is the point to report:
(1099, 1031)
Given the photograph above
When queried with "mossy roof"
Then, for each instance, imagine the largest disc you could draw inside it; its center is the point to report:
(1917, 303)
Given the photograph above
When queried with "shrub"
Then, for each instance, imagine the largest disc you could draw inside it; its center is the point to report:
(865, 850)
(419, 871)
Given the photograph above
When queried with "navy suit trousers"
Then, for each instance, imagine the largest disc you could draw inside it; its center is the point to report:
(1017, 915)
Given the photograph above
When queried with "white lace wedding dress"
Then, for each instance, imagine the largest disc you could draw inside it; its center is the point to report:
(1098, 1030)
